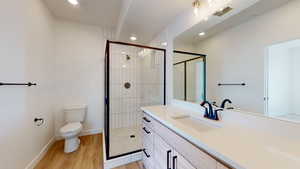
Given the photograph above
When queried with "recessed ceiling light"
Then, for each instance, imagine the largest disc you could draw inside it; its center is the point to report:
(164, 44)
(133, 38)
(201, 34)
(73, 2)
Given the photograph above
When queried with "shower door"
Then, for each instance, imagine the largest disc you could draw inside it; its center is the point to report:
(135, 77)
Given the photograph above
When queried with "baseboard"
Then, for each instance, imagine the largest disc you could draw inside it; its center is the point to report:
(91, 132)
(84, 133)
(41, 154)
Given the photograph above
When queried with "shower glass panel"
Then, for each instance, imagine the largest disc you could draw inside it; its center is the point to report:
(195, 89)
(135, 78)
(179, 92)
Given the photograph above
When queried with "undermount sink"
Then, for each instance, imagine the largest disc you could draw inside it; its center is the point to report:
(197, 124)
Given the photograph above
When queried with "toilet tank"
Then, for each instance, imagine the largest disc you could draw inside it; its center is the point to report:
(75, 113)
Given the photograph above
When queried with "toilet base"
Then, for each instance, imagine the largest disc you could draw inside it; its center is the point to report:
(71, 144)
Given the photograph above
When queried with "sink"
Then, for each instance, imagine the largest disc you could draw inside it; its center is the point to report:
(197, 124)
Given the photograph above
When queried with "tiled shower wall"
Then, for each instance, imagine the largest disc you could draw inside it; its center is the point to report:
(143, 69)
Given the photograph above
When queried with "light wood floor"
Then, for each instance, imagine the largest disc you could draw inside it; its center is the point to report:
(88, 156)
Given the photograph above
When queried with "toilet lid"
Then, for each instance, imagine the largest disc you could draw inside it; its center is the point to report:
(71, 127)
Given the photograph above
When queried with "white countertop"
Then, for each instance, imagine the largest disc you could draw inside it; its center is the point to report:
(239, 147)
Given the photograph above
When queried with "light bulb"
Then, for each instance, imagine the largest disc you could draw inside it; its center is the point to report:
(201, 34)
(195, 11)
(73, 2)
(133, 38)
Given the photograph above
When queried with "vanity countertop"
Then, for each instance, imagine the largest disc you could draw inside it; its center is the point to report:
(241, 148)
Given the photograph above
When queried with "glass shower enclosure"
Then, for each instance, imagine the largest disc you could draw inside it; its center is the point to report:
(134, 77)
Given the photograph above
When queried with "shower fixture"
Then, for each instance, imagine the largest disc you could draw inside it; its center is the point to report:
(127, 57)
(127, 85)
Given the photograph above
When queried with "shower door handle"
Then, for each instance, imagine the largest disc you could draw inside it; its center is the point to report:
(147, 155)
(147, 120)
(148, 132)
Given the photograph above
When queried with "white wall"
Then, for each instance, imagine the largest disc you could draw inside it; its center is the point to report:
(237, 55)
(184, 22)
(25, 52)
(79, 55)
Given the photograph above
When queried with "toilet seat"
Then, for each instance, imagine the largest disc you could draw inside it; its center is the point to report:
(71, 128)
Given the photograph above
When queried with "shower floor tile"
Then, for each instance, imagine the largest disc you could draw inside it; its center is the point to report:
(121, 141)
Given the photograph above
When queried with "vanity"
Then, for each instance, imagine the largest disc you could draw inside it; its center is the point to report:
(164, 148)
(194, 142)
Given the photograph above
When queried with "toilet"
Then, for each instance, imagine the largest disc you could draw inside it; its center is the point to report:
(74, 116)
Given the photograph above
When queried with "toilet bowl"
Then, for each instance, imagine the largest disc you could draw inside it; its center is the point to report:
(70, 133)
(74, 116)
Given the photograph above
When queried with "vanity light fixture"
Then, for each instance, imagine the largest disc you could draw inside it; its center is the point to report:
(201, 33)
(196, 5)
(133, 38)
(73, 2)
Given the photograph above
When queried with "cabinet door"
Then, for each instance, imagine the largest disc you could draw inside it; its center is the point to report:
(147, 159)
(179, 162)
(162, 154)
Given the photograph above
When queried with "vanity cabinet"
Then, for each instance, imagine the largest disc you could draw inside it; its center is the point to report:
(165, 157)
(164, 149)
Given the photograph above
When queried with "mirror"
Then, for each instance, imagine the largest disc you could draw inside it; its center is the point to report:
(189, 76)
(251, 58)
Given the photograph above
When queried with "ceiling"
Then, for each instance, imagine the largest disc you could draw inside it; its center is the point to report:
(104, 13)
(143, 18)
(191, 36)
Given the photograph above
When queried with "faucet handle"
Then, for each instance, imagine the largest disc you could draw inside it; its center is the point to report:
(215, 104)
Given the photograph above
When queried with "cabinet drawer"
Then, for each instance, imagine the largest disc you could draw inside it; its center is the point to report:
(147, 137)
(194, 155)
(147, 121)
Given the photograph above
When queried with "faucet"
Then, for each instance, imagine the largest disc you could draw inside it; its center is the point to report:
(224, 102)
(216, 116)
(206, 114)
(211, 114)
